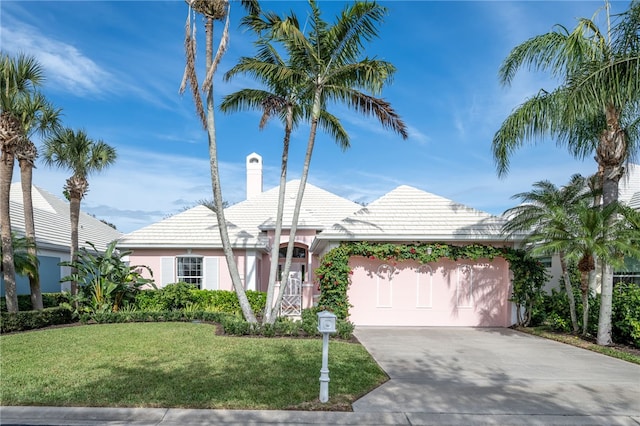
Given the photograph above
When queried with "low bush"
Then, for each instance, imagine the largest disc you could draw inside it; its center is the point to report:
(29, 320)
(625, 319)
(626, 313)
(49, 300)
(232, 324)
(183, 296)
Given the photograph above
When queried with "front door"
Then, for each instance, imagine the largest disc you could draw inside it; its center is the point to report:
(292, 298)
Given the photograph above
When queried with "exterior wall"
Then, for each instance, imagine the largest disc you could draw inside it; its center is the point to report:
(153, 258)
(50, 274)
(446, 293)
(49, 277)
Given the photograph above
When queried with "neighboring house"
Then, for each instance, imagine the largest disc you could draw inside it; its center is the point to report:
(630, 194)
(187, 247)
(53, 236)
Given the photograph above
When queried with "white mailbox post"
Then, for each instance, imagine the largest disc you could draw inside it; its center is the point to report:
(326, 325)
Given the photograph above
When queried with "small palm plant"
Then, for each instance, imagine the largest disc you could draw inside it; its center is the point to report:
(106, 282)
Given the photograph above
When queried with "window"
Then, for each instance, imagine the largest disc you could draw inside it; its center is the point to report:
(546, 261)
(298, 252)
(189, 270)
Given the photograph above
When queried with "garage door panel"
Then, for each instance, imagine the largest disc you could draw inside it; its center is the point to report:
(446, 293)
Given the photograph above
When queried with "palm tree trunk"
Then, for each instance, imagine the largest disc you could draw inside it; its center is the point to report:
(217, 190)
(8, 268)
(303, 183)
(26, 175)
(584, 288)
(610, 154)
(569, 289)
(74, 214)
(606, 301)
(270, 313)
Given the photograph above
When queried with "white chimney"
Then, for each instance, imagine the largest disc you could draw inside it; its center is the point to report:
(254, 175)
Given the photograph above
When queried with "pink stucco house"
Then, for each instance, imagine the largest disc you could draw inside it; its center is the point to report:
(187, 247)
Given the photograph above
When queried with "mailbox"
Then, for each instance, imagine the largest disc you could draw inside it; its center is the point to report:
(326, 322)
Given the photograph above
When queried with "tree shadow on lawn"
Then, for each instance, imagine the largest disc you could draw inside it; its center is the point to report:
(279, 379)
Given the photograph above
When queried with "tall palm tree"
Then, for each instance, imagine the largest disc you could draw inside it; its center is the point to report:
(544, 215)
(282, 98)
(332, 70)
(19, 78)
(594, 109)
(214, 10)
(83, 156)
(41, 117)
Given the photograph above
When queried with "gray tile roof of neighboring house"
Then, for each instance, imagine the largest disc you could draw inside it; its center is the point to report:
(53, 224)
(634, 202)
(630, 183)
(246, 221)
(407, 213)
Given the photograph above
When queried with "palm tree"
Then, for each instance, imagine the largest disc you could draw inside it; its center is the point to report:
(544, 215)
(24, 261)
(38, 116)
(83, 156)
(18, 79)
(601, 233)
(284, 99)
(593, 109)
(214, 10)
(330, 70)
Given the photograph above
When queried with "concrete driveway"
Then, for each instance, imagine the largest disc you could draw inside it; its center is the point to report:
(476, 371)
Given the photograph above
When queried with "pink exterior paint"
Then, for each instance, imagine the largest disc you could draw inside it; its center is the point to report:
(153, 259)
(446, 293)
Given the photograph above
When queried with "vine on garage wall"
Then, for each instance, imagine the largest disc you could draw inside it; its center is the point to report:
(333, 274)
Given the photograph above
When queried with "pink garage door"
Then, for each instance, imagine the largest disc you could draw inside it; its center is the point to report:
(446, 293)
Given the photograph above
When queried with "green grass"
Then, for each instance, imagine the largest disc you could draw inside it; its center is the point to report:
(625, 353)
(177, 365)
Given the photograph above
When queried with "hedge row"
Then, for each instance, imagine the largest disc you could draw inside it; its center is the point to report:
(29, 320)
(49, 300)
(233, 325)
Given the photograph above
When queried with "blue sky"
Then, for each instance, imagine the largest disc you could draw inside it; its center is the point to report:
(115, 67)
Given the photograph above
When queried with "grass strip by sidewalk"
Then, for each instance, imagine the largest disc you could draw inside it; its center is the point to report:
(624, 353)
(182, 365)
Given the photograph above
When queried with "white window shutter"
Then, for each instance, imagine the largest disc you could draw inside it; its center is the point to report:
(210, 281)
(167, 275)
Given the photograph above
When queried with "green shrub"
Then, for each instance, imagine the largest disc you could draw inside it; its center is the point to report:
(183, 296)
(558, 323)
(626, 314)
(176, 296)
(29, 320)
(148, 300)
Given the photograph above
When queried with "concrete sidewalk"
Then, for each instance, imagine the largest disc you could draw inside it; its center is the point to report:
(76, 416)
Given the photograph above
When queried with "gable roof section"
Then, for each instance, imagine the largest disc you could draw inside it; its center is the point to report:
(196, 227)
(246, 221)
(53, 224)
(407, 213)
(320, 209)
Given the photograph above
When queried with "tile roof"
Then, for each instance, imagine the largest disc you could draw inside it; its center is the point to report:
(629, 186)
(634, 202)
(52, 222)
(246, 221)
(409, 213)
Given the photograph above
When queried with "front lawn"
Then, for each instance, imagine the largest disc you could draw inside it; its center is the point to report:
(177, 365)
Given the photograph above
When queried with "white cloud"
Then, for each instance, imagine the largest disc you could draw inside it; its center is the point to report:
(67, 69)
